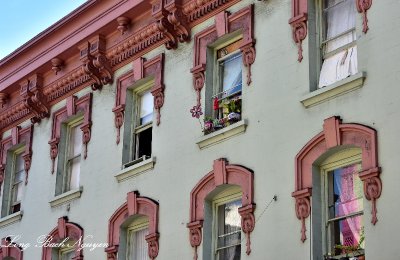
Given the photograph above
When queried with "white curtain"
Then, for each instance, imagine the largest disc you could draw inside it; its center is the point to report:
(340, 17)
(137, 245)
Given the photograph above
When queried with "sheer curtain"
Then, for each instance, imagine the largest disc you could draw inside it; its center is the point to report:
(137, 245)
(340, 17)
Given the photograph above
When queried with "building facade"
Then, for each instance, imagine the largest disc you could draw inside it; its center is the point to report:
(214, 129)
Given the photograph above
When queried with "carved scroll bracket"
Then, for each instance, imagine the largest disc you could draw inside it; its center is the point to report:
(372, 189)
(198, 84)
(153, 247)
(75, 106)
(299, 32)
(95, 63)
(195, 235)
(163, 25)
(33, 98)
(3, 99)
(303, 209)
(248, 223)
(362, 7)
(141, 69)
(249, 56)
(178, 19)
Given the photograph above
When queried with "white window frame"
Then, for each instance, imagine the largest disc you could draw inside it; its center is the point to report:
(340, 159)
(15, 154)
(231, 194)
(62, 251)
(137, 128)
(69, 145)
(137, 225)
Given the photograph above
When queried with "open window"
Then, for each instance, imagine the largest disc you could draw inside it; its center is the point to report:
(337, 26)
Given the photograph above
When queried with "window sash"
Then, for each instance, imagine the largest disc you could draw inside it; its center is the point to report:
(73, 156)
(18, 174)
(137, 249)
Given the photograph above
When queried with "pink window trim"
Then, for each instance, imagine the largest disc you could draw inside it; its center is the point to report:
(336, 134)
(299, 19)
(18, 136)
(135, 205)
(141, 69)
(225, 23)
(222, 173)
(65, 229)
(8, 249)
(73, 107)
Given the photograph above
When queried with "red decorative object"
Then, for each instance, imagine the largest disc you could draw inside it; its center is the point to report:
(222, 173)
(33, 99)
(298, 22)
(123, 24)
(135, 205)
(216, 103)
(141, 70)
(224, 23)
(362, 7)
(337, 134)
(65, 229)
(18, 137)
(74, 107)
(177, 18)
(10, 250)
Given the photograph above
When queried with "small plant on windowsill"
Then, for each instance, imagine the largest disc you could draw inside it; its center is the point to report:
(234, 107)
(353, 252)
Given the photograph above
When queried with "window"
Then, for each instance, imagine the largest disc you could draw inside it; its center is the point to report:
(67, 253)
(136, 242)
(338, 41)
(343, 206)
(14, 183)
(227, 88)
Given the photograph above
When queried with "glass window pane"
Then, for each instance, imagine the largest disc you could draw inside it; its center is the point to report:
(137, 245)
(229, 231)
(347, 190)
(19, 176)
(75, 165)
(232, 75)
(19, 162)
(67, 255)
(346, 235)
(146, 108)
(76, 141)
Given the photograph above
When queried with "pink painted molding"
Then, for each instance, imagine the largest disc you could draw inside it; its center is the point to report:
(73, 107)
(9, 249)
(222, 173)
(141, 69)
(298, 22)
(336, 134)
(63, 230)
(136, 205)
(225, 23)
(362, 7)
(18, 137)
(299, 19)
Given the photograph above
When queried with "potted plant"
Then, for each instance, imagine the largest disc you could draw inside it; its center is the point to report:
(208, 125)
(353, 250)
(234, 107)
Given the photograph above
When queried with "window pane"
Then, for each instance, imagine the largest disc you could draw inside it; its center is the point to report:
(76, 141)
(19, 162)
(146, 108)
(137, 245)
(232, 75)
(144, 139)
(17, 192)
(75, 169)
(347, 191)
(348, 233)
(229, 231)
(67, 255)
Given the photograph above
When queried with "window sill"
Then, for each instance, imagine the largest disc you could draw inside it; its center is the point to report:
(135, 169)
(66, 197)
(332, 91)
(223, 134)
(10, 219)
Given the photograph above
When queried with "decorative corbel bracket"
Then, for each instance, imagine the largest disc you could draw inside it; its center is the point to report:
(74, 107)
(303, 209)
(56, 65)
(298, 22)
(18, 137)
(372, 188)
(3, 99)
(362, 7)
(163, 25)
(95, 62)
(123, 24)
(141, 70)
(177, 18)
(33, 98)
(225, 23)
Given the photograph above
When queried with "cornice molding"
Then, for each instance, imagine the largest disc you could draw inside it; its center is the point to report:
(141, 69)
(73, 107)
(225, 23)
(18, 137)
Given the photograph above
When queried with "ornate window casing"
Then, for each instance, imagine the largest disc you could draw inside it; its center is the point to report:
(73, 234)
(15, 162)
(334, 137)
(142, 70)
(240, 23)
(10, 249)
(136, 206)
(299, 20)
(222, 173)
(75, 107)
